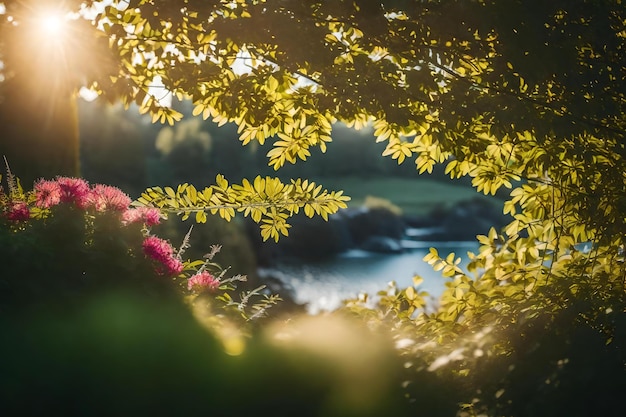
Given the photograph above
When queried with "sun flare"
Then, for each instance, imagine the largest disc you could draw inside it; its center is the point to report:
(52, 25)
(50, 31)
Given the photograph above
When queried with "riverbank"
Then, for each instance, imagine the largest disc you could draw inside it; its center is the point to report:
(378, 228)
(359, 250)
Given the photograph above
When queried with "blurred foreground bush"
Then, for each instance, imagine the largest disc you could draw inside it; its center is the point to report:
(125, 354)
(101, 317)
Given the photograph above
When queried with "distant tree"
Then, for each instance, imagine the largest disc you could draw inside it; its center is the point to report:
(114, 144)
(184, 148)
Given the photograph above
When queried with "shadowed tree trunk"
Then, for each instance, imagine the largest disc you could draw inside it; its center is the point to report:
(39, 130)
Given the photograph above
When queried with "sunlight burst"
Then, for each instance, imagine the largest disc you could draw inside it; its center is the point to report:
(50, 32)
(52, 25)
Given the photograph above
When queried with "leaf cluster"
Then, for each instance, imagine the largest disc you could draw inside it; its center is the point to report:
(268, 201)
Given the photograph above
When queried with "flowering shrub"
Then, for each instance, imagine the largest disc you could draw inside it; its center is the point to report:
(67, 238)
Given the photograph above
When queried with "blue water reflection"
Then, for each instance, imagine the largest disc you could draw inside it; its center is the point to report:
(323, 285)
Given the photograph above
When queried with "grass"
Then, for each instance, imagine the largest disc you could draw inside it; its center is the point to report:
(413, 196)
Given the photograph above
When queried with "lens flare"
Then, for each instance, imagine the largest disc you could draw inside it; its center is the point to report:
(52, 25)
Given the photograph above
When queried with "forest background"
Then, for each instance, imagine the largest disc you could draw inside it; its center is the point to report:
(125, 149)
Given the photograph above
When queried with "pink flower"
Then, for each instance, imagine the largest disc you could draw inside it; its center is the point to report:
(47, 193)
(203, 281)
(131, 216)
(149, 215)
(173, 266)
(106, 197)
(162, 252)
(18, 212)
(157, 248)
(74, 190)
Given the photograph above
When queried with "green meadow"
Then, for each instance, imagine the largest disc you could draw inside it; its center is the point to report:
(414, 196)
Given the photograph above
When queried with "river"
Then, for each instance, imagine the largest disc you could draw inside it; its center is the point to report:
(322, 285)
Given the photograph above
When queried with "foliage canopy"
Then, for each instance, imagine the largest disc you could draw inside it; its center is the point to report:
(498, 92)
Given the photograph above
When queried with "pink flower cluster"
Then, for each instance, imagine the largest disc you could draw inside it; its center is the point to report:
(203, 281)
(106, 197)
(48, 193)
(18, 211)
(99, 197)
(77, 191)
(162, 252)
(62, 190)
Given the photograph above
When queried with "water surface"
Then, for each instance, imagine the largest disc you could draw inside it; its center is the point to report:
(324, 284)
